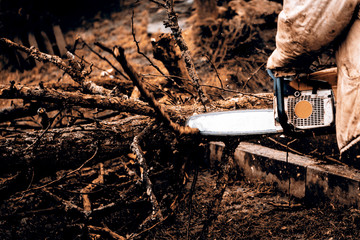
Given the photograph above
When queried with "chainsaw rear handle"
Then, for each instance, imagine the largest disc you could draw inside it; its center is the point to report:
(279, 94)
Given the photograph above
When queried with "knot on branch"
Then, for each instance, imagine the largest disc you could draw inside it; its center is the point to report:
(118, 51)
(34, 52)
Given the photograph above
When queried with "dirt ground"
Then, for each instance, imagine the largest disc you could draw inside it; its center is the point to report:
(258, 211)
(249, 210)
(46, 207)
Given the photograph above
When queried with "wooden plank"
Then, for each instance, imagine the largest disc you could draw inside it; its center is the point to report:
(22, 58)
(21, 54)
(314, 181)
(47, 43)
(329, 75)
(33, 42)
(60, 40)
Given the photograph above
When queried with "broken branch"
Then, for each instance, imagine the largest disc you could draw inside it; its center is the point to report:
(75, 98)
(89, 188)
(71, 67)
(136, 149)
(118, 53)
(173, 24)
(112, 234)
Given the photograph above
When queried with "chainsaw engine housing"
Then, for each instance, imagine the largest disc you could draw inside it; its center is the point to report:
(308, 109)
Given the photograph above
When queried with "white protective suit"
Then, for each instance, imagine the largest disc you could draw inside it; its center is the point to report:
(305, 27)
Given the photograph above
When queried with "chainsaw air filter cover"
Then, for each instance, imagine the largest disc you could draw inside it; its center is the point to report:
(306, 110)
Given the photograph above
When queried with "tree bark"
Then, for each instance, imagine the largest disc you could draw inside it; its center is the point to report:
(173, 24)
(165, 50)
(69, 147)
(177, 113)
(75, 98)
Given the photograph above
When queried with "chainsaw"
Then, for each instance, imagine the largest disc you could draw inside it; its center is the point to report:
(302, 104)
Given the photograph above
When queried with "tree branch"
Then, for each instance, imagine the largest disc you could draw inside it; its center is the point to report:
(118, 53)
(173, 24)
(136, 149)
(75, 98)
(71, 66)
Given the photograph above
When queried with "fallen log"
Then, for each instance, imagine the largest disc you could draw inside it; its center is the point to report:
(69, 147)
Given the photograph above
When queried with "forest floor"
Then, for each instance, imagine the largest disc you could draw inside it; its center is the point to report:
(248, 210)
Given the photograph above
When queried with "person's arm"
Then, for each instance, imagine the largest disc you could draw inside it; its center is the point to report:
(304, 27)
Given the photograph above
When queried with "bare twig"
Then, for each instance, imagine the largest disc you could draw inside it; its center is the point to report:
(136, 235)
(138, 47)
(287, 147)
(173, 24)
(77, 75)
(252, 75)
(63, 176)
(136, 149)
(216, 71)
(67, 204)
(42, 134)
(149, 60)
(111, 233)
(103, 58)
(85, 191)
(236, 91)
(101, 208)
(303, 154)
(71, 67)
(158, 3)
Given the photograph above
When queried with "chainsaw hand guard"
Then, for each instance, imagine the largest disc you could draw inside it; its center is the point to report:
(279, 94)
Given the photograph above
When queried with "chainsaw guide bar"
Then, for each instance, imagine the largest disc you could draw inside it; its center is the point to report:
(236, 123)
